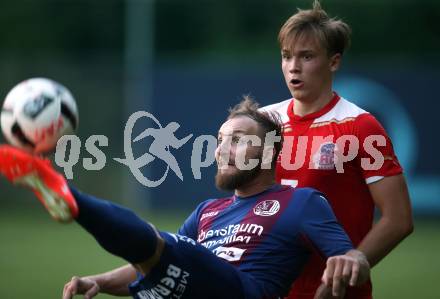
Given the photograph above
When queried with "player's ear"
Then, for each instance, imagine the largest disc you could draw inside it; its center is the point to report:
(335, 61)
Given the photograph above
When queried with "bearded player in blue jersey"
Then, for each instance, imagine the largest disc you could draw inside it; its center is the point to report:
(252, 244)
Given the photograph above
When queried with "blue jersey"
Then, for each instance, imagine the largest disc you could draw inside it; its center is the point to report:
(269, 235)
(247, 248)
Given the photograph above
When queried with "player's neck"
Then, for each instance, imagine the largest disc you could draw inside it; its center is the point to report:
(304, 107)
(259, 184)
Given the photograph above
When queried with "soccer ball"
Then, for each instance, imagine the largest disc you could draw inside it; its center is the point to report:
(36, 113)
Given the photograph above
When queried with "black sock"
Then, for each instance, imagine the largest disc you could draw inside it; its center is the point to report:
(117, 229)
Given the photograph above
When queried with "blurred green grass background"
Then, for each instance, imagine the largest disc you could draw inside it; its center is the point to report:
(38, 255)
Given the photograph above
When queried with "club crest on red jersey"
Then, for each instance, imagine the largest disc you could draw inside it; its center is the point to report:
(267, 208)
(324, 158)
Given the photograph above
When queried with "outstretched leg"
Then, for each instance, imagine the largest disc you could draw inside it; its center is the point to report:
(117, 229)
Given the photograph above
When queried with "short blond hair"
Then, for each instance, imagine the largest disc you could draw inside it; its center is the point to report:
(331, 33)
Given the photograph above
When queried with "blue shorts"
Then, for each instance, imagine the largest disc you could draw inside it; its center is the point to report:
(189, 270)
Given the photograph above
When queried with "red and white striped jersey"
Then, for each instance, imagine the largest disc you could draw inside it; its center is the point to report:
(338, 150)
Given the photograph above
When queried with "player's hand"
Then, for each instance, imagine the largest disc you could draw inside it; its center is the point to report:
(81, 286)
(351, 269)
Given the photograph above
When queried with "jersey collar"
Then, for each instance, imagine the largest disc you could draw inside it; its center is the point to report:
(312, 115)
(273, 188)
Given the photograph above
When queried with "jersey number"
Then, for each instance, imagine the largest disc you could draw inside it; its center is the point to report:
(292, 183)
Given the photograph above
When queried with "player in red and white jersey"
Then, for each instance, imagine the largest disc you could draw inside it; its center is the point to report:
(321, 131)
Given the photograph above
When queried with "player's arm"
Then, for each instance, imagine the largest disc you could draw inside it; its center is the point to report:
(390, 196)
(388, 191)
(345, 265)
(114, 282)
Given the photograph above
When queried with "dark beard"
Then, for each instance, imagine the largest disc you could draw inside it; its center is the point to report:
(231, 182)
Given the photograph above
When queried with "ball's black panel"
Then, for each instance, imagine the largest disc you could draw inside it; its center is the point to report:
(18, 132)
(34, 108)
(66, 112)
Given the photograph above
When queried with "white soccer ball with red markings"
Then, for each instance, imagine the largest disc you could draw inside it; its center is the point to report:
(36, 113)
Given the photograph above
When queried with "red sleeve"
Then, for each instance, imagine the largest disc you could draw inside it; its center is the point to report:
(376, 154)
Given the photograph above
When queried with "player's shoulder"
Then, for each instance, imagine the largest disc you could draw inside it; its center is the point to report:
(347, 112)
(209, 207)
(308, 196)
(293, 192)
(280, 108)
(304, 192)
(214, 204)
(364, 122)
(289, 193)
(344, 110)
